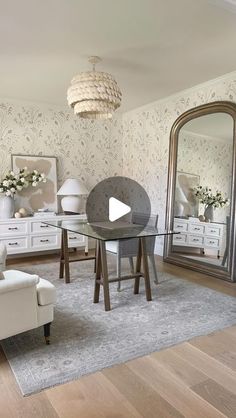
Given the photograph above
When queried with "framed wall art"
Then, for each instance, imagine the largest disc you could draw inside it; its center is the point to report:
(185, 183)
(44, 196)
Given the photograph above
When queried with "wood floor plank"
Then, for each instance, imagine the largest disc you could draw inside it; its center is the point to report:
(181, 368)
(91, 397)
(224, 338)
(172, 389)
(228, 358)
(146, 400)
(230, 335)
(218, 396)
(5, 407)
(13, 404)
(225, 335)
(215, 370)
(211, 282)
(212, 344)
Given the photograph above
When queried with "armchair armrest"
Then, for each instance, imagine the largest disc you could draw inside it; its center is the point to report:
(14, 280)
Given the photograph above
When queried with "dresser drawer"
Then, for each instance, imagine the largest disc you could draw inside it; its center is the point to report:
(213, 231)
(75, 240)
(197, 229)
(16, 244)
(194, 240)
(45, 241)
(212, 242)
(180, 226)
(179, 239)
(13, 228)
(42, 228)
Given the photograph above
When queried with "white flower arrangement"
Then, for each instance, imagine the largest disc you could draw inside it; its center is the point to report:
(207, 198)
(16, 182)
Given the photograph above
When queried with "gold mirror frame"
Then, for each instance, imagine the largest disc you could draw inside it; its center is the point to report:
(228, 273)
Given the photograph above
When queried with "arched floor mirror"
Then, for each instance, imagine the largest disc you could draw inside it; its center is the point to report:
(201, 190)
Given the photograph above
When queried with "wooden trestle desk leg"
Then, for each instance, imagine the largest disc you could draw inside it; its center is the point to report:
(61, 272)
(138, 268)
(66, 255)
(105, 281)
(146, 270)
(96, 255)
(97, 267)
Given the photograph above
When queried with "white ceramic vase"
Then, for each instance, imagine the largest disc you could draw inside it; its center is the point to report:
(209, 213)
(7, 206)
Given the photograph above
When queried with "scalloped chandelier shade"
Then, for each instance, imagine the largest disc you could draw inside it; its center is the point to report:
(94, 94)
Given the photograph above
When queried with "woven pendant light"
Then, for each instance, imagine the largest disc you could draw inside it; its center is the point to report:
(93, 94)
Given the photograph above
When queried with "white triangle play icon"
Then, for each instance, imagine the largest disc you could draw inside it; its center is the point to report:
(117, 209)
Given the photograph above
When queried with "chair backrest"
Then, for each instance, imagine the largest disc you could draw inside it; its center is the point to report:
(143, 219)
(129, 248)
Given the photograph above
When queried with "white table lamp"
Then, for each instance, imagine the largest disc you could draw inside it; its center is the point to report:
(72, 190)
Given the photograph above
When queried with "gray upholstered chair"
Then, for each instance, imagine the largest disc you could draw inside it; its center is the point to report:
(128, 248)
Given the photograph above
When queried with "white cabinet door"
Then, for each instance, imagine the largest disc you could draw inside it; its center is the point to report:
(42, 228)
(75, 240)
(44, 242)
(180, 239)
(31, 234)
(16, 245)
(196, 229)
(13, 228)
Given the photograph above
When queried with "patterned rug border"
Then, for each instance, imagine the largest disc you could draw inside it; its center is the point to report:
(78, 376)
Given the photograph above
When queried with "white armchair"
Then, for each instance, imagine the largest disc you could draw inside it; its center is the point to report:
(26, 302)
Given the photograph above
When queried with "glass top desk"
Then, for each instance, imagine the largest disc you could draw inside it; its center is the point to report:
(108, 231)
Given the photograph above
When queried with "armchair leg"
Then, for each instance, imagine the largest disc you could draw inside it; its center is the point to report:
(46, 328)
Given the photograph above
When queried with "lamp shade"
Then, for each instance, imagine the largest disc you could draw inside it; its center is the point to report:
(94, 94)
(72, 187)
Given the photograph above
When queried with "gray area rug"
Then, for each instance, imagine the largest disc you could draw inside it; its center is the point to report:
(85, 338)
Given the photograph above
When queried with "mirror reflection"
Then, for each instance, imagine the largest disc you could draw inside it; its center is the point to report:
(202, 189)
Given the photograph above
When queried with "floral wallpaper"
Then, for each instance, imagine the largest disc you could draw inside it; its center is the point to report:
(89, 150)
(146, 138)
(135, 144)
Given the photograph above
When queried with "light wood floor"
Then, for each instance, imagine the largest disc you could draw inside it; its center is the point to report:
(196, 379)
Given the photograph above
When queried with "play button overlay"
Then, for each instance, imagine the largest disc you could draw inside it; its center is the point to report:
(116, 202)
(117, 209)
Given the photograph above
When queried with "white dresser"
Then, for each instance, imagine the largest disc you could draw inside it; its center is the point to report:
(198, 234)
(30, 234)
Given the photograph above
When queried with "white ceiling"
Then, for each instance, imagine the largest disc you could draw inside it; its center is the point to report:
(154, 48)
